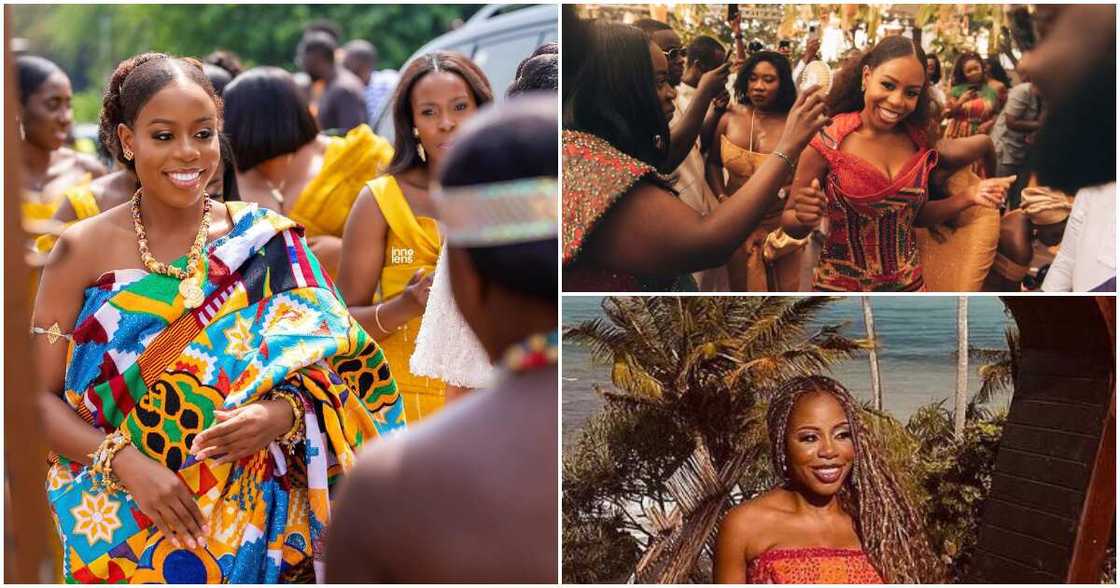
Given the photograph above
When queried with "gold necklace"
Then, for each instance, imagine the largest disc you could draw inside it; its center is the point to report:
(190, 288)
(277, 193)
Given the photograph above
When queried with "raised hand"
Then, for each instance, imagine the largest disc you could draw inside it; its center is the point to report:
(808, 116)
(809, 204)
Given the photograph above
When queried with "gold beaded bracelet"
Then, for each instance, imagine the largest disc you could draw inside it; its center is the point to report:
(101, 468)
(296, 433)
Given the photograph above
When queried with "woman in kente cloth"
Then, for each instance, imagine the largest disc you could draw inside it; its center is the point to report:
(840, 514)
(624, 227)
(469, 495)
(285, 164)
(973, 103)
(392, 238)
(199, 411)
(881, 175)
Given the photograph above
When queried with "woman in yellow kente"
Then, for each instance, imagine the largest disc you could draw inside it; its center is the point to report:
(49, 168)
(285, 164)
(392, 238)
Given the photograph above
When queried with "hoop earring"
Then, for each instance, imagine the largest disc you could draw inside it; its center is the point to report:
(419, 145)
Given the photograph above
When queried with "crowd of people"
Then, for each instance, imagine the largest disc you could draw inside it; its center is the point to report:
(250, 300)
(739, 167)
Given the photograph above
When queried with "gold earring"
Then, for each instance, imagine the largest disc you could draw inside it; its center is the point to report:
(419, 145)
(127, 154)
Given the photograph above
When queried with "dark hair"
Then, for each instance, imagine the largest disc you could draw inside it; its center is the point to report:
(321, 43)
(650, 26)
(958, 67)
(33, 71)
(226, 60)
(266, 116)
(218, 77)
(847, 92)
(536, 73)
(514, 142)
(704, 49)
(612, 93)
(362, 50)
(995, 71)
(230, 191)
(787, 91)
(1076, 147)
(323, 25)
(936, 77)
(134, 82)
(550, 48)
(404, 144)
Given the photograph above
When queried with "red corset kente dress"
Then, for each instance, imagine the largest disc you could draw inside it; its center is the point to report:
(812, 565)
(871, 245)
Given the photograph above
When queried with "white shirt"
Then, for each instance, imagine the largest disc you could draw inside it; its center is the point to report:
(1087, 256)
(695, 192)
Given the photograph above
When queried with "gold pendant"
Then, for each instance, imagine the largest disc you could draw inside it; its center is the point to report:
(191, 292)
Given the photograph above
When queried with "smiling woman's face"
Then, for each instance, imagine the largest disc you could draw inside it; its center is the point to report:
(891, 90)
(819, 444)
(174, 140)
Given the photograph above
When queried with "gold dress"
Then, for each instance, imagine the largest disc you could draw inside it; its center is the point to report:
(412, 243)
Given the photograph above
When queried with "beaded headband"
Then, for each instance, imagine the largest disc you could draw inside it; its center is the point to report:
(501, 213)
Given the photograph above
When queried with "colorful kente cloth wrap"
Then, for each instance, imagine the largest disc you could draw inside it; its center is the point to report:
(871, 245)
(596, 177)
(966, 122)
(812, 565)
(141, 363)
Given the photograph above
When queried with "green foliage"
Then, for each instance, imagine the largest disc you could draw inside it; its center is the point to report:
(87, 105)
(88, 40)
(956, 476)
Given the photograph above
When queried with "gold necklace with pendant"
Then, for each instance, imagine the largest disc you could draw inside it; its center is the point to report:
(190, 288)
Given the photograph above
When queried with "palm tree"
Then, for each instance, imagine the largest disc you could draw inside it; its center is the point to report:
(872, 355)
(997, 374)
(961, 403)
(703, 366)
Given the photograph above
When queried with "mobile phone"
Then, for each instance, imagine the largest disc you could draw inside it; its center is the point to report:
(783, 44)
(732, 12)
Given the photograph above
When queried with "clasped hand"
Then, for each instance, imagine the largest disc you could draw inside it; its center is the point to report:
(243, 431)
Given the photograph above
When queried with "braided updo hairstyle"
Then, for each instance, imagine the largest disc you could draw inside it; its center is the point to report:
(890, 527)
(133, 84)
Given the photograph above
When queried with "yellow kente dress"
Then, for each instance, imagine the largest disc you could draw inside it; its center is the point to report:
(412, 243)
(763, 274)
(350, 162)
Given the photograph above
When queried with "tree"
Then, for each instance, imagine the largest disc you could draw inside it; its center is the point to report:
(961, 401)
(872, 355)
(684, 422)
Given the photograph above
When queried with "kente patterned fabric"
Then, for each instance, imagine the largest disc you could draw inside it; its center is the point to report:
(812, 565)
(412, 243)
(871, 245)
(349, 162)
(966, 122)
(142, 363)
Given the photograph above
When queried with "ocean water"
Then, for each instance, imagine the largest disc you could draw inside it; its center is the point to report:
(917, 345)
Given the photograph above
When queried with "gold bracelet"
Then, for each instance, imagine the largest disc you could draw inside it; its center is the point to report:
(377, 317)
(296, 433)
(101, 468)
(789, 162)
